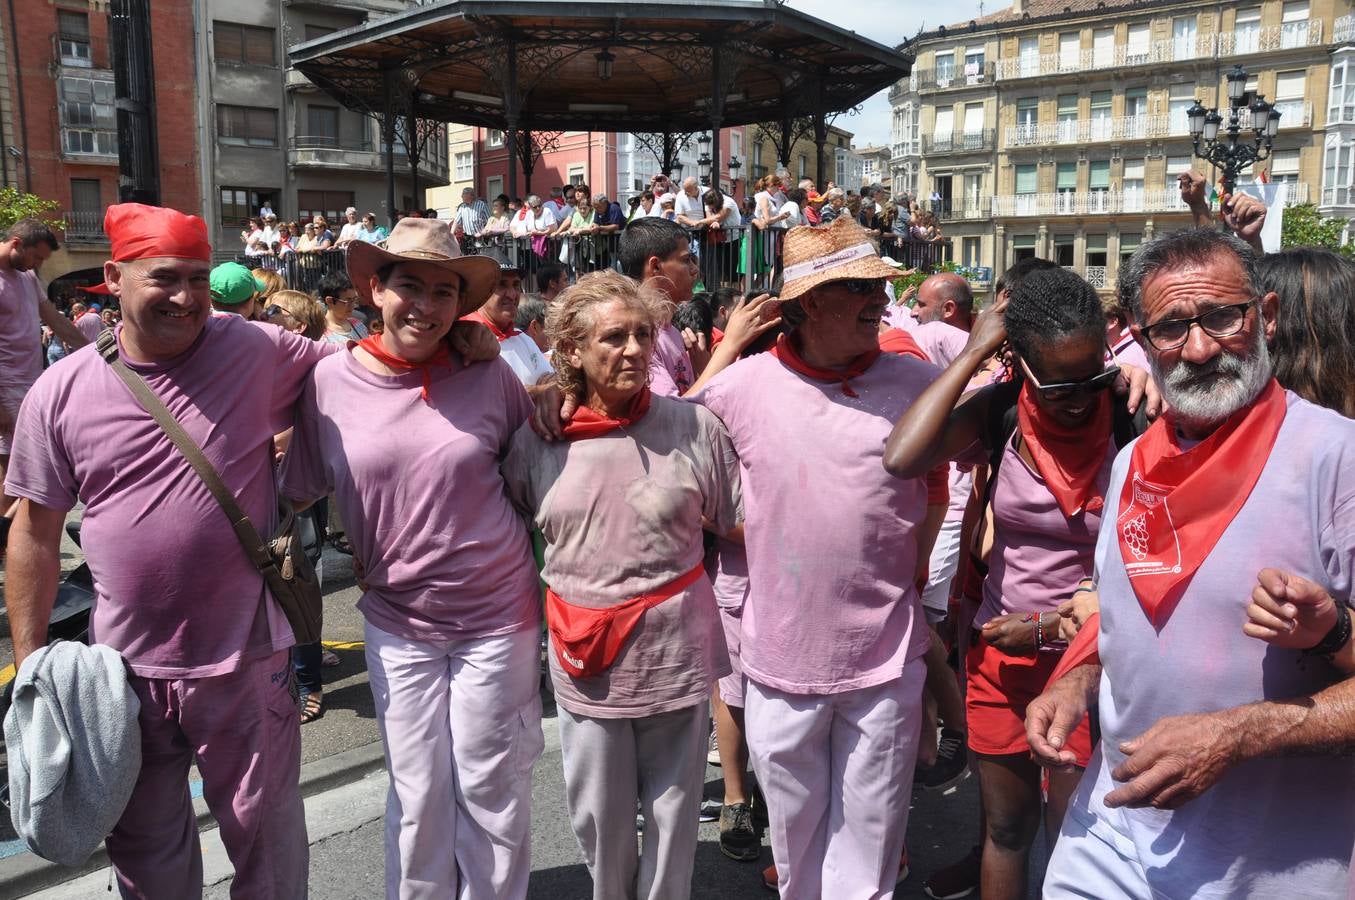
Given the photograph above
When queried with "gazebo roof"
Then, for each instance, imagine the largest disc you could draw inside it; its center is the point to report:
(488, 62)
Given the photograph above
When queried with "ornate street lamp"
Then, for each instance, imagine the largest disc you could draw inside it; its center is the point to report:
(734, 166)
(704, 161)
(605, 61)
(1233, 152)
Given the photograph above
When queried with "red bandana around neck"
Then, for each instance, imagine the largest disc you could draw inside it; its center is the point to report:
(442, 357)
(589, 423)
(1068, 459)
(790, 357)
(1177, 503)
(483, 319)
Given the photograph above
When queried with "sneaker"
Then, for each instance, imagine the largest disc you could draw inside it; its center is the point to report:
(769, 878)
(951, 766)
(710, 810)
(713, 750)
(739, 840)
(959, 879)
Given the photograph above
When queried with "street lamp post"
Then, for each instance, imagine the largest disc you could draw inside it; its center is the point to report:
(704, 161)
(734, 166)
(1233, 152)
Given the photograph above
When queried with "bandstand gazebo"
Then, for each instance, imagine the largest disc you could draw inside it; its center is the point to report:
(662, 69)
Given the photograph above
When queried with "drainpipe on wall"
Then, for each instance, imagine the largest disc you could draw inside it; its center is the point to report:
(19, 89)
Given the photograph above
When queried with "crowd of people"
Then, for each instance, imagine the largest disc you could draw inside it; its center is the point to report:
(845, 542)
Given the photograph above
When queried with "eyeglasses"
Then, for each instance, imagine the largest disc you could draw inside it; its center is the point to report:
(862, 287)
(1066, 390)
(1219, 322)
(273, 311)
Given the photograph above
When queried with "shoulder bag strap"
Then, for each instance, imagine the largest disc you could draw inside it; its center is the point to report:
(248, 535)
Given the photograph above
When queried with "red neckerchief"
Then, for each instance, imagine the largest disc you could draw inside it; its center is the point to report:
(1177, 503)
(790, 357)
(588, 423)
(900, 342)
(483, 319)
(441, 357)
(1085, 647)
(1068, 459)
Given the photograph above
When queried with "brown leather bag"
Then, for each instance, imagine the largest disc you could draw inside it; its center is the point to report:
(281, 560)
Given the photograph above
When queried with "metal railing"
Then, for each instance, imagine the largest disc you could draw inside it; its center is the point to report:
(965, 209)
(330, 151)
(1095, 275)
(1293, 114)
(746, 257)
(972, 75)
(1078, 203)
(83, 226)
(959, 142)
(1288, 36)
(1343, 29)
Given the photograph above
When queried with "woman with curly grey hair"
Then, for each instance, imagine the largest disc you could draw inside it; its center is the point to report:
(636, 642)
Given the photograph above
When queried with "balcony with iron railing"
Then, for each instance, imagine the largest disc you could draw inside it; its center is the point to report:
(1290, 35)
(969, 75)
(84, 226)
(964, 209)
(1084, 203)
(1343, 30)
(327, 152)
(1293, 114)
(958, 142)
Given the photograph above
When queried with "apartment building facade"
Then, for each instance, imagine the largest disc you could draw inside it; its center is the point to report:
(1058, 129)
(270, 136)
(58, 124)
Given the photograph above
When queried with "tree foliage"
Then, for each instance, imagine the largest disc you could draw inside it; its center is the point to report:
(1304, 226)
(16, 205)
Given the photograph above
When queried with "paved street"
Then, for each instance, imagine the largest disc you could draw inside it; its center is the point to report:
(345, 822)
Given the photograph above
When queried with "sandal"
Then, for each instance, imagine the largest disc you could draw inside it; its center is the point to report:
(341, 543)
(312, 707)
(329, 658)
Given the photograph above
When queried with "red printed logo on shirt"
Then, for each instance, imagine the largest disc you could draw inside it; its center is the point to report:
(1148, 512)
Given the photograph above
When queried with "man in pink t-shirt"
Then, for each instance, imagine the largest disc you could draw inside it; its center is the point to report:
(23, 312)
(833, 634)
(1217, 773)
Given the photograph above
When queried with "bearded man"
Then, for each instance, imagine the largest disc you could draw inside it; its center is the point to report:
(1243, 491)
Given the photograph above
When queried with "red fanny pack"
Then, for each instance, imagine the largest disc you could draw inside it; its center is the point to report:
(587, 641)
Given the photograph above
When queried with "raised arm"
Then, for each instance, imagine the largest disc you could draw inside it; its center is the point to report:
(939, 424)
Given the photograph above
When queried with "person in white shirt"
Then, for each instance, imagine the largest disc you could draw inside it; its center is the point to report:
(534, 218)
(688, 206)
(352, 229)
(517, 348)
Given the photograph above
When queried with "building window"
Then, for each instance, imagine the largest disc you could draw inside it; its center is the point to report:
(803, 167)
(973, 65)
(1290, 88)
(1247, 30)
(1336, 175)
(1026, 179)
(239, 203)
(1128, 244)
(1284, 167)
(1066, 118)
(1180, 98)
(1096, 252)
(329, 204)
(1098, 175)
(1341, 99)
(1294, 24)
(577, 173)
(1138, 44)
(1063, 249)
(1070, 50)
(1132, 185)
(88, 118)
(971, 252)
(1023, 247)
(247, 126)
(73, 39)
(945, 68)
(494, 186)
(1103, 48)
(244, 44)
(465, 166)
(1184, 44)
(322, 127)
(495, 137)
(1027, 112)
(1065, 181)
(85, 219)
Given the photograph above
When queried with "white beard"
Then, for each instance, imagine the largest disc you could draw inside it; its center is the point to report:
(1200, 397)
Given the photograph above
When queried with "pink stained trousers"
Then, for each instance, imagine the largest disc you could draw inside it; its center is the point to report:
(461, 721)
(244, 731)
(837, 772)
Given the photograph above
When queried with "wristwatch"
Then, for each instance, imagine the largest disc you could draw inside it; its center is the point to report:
(1335, 639)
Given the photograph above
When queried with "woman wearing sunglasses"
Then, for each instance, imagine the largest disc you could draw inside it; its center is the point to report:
(1050, 436)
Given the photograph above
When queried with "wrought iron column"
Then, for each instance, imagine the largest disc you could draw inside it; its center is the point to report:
(388, 138)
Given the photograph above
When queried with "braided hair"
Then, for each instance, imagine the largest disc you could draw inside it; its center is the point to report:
(1049, 305)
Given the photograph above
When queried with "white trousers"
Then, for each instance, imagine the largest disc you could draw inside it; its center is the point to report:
(837, 771)
(609, 763)
(941, 569)
(1084, 865)
(461, 721)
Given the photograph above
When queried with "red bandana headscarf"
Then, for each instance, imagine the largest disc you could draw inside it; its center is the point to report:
(441, 357)
(588, 423)
(137, 231)
(790, 357)
(484, 320)
(1177, 503)
(1068, 459)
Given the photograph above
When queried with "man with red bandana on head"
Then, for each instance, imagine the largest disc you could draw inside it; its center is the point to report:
(175, 594)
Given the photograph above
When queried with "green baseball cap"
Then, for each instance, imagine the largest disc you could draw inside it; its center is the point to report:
(232, 284)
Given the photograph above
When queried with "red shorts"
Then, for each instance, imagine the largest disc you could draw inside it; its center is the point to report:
(999, 687)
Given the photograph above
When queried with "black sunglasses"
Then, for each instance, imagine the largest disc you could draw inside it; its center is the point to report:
(274, 310)
(862, 287)
(1065, 390)
(1219, 322)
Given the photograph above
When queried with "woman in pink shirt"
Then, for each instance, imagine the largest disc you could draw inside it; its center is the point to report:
(1049, 468)
(636, 643)
(409, 438)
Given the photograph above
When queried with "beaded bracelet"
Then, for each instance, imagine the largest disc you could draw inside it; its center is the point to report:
(1335, 639)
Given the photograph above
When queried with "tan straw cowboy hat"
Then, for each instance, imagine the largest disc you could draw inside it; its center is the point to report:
(812, 256)
(430, 241)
